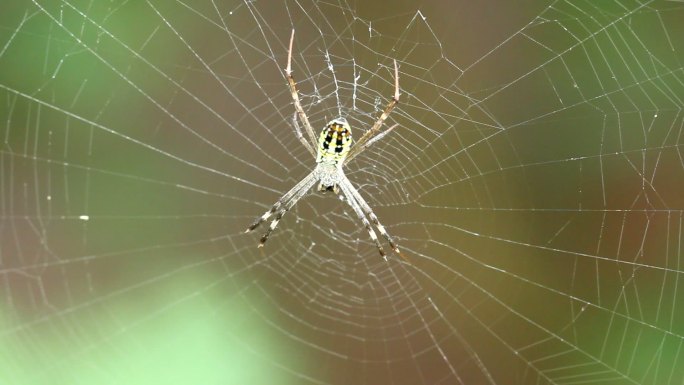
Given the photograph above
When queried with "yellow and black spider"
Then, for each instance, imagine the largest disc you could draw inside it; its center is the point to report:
(333, 150)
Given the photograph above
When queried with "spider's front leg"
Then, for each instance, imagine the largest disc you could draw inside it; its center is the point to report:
(363, 209)
(264, 217)
(351, 200)
(282, 205)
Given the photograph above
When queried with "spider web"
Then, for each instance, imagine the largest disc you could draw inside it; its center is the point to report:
(534, 182)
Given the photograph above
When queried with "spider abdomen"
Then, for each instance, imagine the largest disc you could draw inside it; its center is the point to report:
(334, 142)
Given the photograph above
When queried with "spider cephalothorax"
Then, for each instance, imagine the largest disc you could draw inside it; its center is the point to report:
(332, 151)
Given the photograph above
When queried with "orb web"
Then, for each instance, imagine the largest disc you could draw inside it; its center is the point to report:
(533, 181)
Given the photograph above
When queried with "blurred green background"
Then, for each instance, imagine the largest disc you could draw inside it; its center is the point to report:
(534, 183)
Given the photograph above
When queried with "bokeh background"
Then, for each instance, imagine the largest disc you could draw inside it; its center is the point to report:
(534, 183)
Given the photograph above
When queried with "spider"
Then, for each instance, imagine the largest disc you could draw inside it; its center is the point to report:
(333, 150)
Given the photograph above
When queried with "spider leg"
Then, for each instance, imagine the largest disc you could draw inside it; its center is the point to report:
(375, 139)
(295, 98)
(360, 144)
(306, 144)
(275, 221)
(369, 212)
(351, 199)
(303, 189)
(308, 180)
